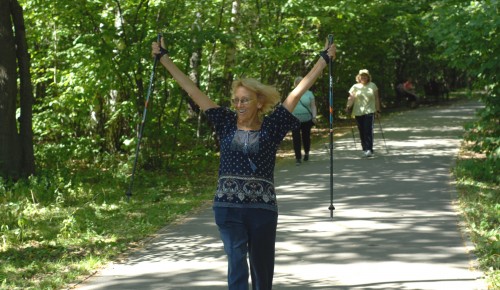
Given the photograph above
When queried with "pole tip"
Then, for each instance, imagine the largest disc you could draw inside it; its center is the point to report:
(331, 208)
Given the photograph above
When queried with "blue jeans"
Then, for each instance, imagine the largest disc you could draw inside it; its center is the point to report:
(248, 232)
(365, 127)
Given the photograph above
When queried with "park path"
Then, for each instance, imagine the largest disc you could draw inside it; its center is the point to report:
(394, 225)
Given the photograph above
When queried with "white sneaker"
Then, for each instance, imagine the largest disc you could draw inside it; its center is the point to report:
(368, 153)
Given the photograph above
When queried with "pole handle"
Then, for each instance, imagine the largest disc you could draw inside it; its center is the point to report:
(330, 42)
(158, 40)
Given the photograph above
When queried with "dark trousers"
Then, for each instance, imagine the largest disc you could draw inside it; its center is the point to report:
(365, 127)
(301, 136)
(252, 232)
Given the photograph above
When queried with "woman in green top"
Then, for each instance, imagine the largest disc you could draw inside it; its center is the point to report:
(306, 112)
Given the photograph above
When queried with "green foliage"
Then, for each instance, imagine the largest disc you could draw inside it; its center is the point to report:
(467, 35)
(485, 132)
(91, 73)
(479, 186)
(70, 219)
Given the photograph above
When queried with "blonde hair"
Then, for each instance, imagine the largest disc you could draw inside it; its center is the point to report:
(266, 94)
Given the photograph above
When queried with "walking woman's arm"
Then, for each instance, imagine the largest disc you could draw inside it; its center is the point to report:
(200, 98)
(378, 107)
(350, 100)
(314, 110)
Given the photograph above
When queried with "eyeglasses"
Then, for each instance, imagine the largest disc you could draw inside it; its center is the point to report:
(242, 101)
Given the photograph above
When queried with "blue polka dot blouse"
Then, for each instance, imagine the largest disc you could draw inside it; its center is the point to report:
(246, 170)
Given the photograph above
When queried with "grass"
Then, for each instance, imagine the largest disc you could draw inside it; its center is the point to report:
(59, 227)
(478, 185)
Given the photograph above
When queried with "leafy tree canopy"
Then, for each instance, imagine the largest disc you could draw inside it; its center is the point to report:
(91, 59)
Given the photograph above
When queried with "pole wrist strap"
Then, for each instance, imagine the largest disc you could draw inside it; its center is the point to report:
(163, 52)
(325, 56)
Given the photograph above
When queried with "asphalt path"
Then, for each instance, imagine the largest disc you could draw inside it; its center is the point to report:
(395, 223)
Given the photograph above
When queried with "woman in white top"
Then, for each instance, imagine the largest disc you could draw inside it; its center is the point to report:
(365, 102)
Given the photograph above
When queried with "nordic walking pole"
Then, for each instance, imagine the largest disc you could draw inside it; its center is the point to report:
(383, 137)
(352, 131)
(141, 127)
(330, 93)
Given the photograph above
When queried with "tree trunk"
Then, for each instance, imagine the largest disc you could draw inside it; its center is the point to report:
(26, 93)
(231, 49)
(16, 141)
(9, 139)
(194, 67)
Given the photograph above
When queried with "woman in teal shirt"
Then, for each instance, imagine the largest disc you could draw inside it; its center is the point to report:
(306, 112)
